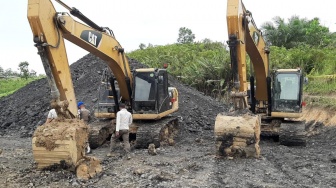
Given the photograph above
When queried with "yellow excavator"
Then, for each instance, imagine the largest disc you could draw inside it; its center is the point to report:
(146, 92)
(273, 98)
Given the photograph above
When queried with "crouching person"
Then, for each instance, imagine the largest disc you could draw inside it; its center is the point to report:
(84, 114)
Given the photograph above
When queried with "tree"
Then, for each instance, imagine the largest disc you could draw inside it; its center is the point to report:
(316, 34)
(9, 72)
(296, 32)
(24, 71)
(185, 36)
(150, 45)
(142, 46)
(1, 70)
(32, 73)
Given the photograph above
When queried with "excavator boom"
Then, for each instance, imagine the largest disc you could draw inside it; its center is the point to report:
(51, 28)
(245, 37)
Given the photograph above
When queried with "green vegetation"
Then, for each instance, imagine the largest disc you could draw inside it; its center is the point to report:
(10, 85)
(296, 32)
(203, 65)
(325, 101)
(185, 36)
(11, 81)
(306, 44)
(206, 64)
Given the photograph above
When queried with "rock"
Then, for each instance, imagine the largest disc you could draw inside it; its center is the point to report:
(151, 149)
(139, 171)
(164, 176)
(88, 168)
(0, 151)
(198, 140)
(74, 183)
(171, 142)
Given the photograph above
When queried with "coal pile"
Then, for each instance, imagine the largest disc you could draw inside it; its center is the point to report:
(23, 111)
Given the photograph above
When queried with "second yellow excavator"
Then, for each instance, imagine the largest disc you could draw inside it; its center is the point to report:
(274, 98)
(145, 91)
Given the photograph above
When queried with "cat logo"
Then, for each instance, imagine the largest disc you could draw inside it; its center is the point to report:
(92, 37)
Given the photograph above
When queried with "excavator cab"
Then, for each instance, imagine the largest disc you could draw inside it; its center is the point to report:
(287, 91)
(151, 93)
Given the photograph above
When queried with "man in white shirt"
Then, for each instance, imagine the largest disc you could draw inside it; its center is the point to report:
(123, 121)
(51, 115)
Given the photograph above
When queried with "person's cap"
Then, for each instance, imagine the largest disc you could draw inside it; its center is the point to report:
(79, 104)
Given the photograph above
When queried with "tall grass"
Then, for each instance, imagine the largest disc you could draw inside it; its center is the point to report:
(203, 65)
(320, 85)
(10, 85)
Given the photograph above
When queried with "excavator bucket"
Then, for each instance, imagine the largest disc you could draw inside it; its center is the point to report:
(63, 142)
(59, 140)
(237, 135)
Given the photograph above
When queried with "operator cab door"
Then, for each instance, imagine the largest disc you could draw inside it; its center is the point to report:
(162, 91)
(287, 92)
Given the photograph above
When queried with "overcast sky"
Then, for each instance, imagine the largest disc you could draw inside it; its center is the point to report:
(147, 21)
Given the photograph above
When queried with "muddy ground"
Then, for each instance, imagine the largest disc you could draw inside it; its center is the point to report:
(191, 162)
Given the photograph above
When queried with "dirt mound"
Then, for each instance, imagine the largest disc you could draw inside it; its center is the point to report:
(22, 112)
(318, 114)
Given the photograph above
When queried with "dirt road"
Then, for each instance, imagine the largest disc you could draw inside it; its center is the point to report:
(190, 163)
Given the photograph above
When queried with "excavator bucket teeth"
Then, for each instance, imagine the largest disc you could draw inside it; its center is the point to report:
(237, 135)
(292, 133)
(158, 132)
(99, 132)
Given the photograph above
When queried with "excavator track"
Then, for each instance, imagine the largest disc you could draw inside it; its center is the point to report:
(158, 132)
(292, 133)
(99, 132)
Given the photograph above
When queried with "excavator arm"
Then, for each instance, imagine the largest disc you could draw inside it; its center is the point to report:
(50, 28)
(245, 37)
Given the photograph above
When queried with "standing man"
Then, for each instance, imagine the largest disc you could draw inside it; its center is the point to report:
(123, 121)
(84, 114)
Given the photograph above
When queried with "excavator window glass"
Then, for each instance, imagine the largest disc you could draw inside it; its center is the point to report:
(144, 86)
(287, 85)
